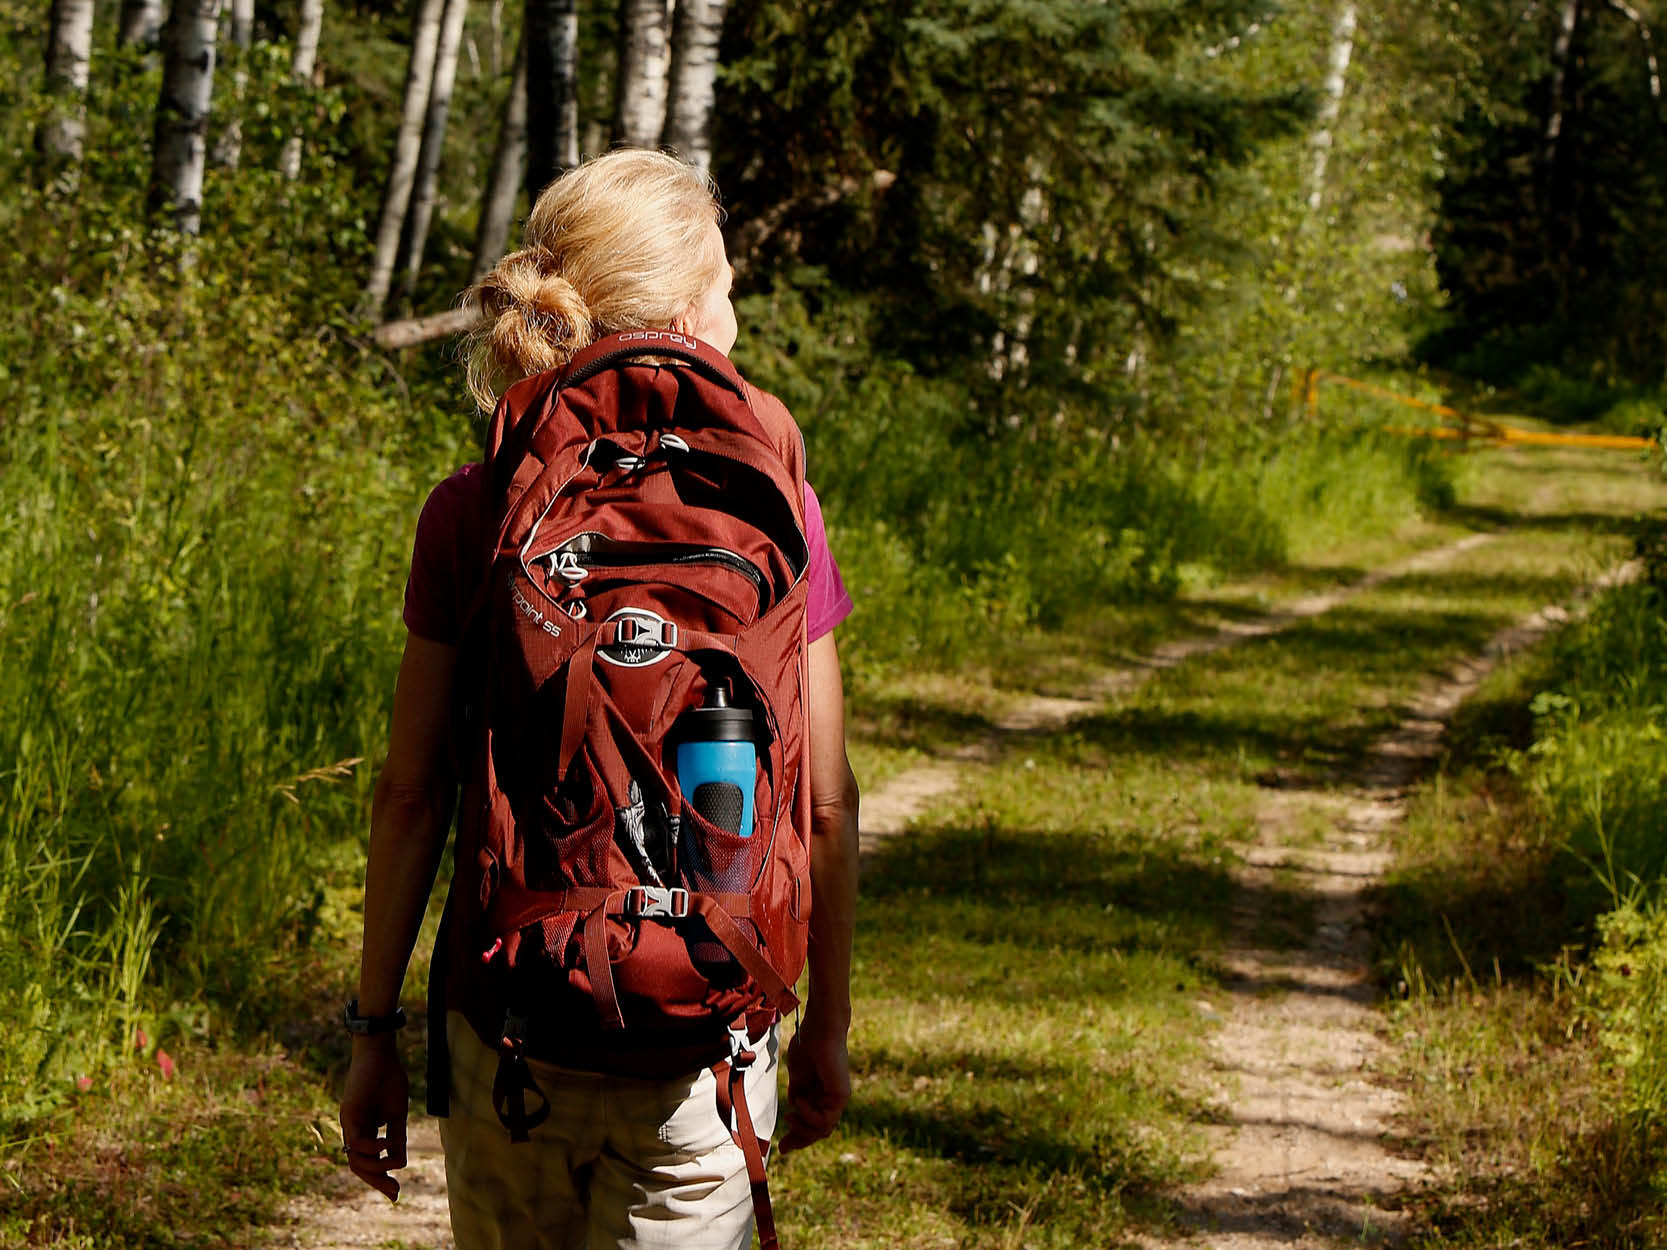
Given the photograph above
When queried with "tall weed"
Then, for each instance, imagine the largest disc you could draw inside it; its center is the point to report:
(205, 530)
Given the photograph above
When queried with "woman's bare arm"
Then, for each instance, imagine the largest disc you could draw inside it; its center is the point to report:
(818, 1065)
(410, 812)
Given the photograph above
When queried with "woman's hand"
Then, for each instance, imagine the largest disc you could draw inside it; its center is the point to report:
(818, 1082)
(377, 1097)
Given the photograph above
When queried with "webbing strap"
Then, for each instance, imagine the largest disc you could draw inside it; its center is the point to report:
(730, 1078)
(597, 963)
(514, 1079)
(577, 705)
(517, 908)
(776, 991)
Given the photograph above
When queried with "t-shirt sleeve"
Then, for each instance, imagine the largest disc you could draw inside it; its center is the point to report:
(829, 603)
(443, 577)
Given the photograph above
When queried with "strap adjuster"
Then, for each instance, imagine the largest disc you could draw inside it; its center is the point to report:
(650, 901)
(630, 629)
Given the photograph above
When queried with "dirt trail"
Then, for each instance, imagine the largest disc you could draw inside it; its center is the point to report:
(1301, 1145)
(352, 1217)
(888, 810)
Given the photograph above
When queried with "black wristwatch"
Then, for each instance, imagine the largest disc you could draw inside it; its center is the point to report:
(370, 1026)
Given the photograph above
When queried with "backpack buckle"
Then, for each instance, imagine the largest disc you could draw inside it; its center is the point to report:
(649, 901)
(630, 629)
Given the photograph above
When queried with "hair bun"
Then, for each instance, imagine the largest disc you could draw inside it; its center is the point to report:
(534, 319)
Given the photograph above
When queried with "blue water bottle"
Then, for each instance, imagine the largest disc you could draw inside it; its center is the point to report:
(717, 762)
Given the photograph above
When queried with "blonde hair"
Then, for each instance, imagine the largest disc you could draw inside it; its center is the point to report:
(622, 242)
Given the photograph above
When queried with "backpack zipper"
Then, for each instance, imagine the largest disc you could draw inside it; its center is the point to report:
(580, 548)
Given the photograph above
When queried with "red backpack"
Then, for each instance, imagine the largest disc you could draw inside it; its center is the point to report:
(650, 559)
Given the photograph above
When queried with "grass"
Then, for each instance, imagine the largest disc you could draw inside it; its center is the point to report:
(1169, 778)
(1516, 921)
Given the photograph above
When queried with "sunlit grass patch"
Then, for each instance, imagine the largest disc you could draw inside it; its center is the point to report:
(192, 1148)
(1028, 968)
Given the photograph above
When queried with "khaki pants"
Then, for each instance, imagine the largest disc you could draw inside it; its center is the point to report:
(637, 1165)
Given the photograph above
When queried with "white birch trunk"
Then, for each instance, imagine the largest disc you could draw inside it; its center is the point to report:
(140, 23)
(640, 106)
(552, 104)
(396, 196)
(228, 151)
(1331, 100)
(509, 163)
(301, 69)
(1643, 28)
(692, 90)
(69, 51)
(188, 54)
(421, 212)
(1567, 19)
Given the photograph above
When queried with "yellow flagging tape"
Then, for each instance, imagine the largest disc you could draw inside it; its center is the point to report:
(1467, 426)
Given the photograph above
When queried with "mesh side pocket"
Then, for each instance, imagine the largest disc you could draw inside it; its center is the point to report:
(716, 861)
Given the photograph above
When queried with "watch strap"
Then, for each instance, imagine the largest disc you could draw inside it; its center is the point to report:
(370, 1026)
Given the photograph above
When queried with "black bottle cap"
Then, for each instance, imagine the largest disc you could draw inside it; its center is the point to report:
(716, 721)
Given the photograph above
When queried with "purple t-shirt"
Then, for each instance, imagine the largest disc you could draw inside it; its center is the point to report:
(445, 562)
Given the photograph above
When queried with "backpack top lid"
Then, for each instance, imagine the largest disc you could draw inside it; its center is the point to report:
(622, 385)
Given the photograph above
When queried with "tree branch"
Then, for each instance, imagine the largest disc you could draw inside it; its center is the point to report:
(1637, 19)
(393, 335)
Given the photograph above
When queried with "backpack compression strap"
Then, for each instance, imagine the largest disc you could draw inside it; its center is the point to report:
(638, 903)
(730, 1076)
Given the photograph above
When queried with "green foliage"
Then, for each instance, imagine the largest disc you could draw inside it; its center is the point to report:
(1599, 761)
(1034, 172)
(1548, 243)
(206, 527)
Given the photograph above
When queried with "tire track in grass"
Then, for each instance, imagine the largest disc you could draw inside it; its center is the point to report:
(888, 811)
(1301, 1154)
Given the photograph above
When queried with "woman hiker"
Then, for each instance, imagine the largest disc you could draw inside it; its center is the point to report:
(628, 241)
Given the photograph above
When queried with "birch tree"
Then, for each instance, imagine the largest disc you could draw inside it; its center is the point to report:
(509, 163)
(396, 195)
(1568, 18)
(421, 212)
(188, 54)
(640, 102)
(1651, 64)
(692, 89)
(228, 151)
(301, 70)
(1331, 100)
(552, 116)
(69, 49)
(140, 23)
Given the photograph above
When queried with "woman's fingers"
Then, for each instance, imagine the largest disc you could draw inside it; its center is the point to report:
(372, 1159)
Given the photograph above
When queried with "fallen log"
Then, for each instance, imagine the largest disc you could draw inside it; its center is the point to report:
(392, 335)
